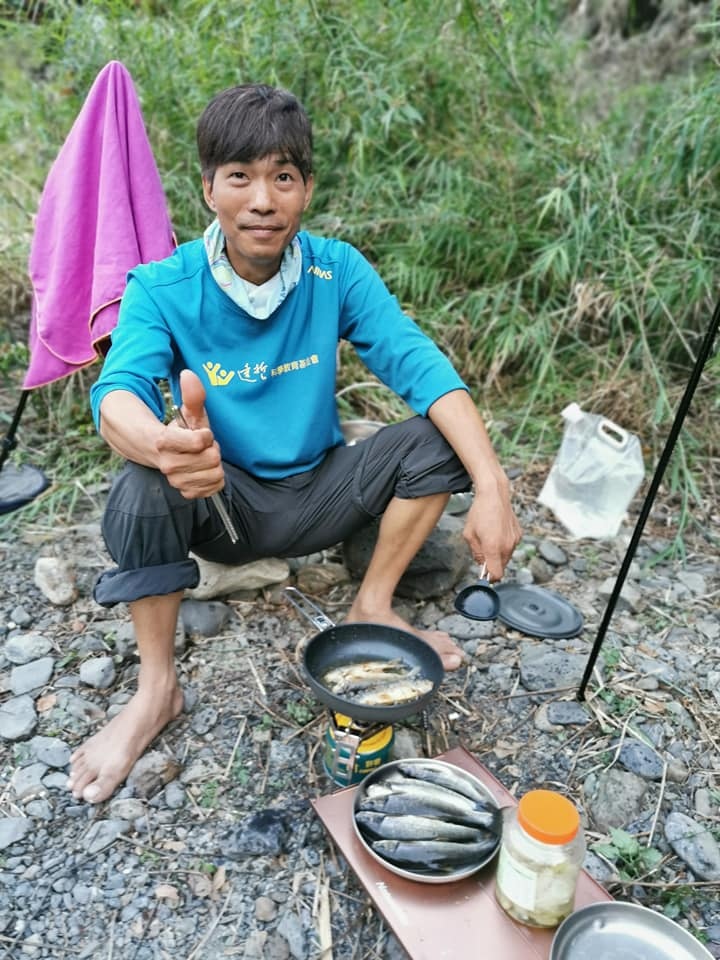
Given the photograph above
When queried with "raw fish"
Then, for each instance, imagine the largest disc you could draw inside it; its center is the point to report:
(443, 777)
(434, 855)
(380, 826)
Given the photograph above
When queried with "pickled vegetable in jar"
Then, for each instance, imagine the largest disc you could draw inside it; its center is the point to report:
(541, 855)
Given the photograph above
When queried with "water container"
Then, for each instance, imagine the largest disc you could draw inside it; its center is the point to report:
(596, 473)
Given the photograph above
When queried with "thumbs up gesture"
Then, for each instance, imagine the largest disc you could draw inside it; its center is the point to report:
(193, 400)
(189, 453)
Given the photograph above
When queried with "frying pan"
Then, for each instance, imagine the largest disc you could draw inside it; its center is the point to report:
(348, 643)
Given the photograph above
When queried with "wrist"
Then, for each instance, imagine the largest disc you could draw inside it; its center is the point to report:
(493, 482)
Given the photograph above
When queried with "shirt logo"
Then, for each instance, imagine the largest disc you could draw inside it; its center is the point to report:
(251, 372)
(317, 272)
(216, 375)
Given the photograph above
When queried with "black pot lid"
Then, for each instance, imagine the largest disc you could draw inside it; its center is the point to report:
(537, 611)
(19, 485)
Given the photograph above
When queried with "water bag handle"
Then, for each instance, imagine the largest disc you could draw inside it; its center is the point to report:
(613, 434)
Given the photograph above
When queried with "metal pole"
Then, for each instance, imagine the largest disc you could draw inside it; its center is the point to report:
(683, 408)
(9, 443)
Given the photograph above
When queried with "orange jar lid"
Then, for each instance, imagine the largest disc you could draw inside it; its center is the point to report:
(548, 816)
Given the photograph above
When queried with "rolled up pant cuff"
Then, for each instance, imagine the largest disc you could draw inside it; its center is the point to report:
(124, 586)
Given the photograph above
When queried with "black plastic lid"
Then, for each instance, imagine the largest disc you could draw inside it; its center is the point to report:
(537, 611)
(20, 485)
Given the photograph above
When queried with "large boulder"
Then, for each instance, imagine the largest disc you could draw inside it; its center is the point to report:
(441, 562)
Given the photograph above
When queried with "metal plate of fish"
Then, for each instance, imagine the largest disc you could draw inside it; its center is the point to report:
(427, 820)
(623, 931)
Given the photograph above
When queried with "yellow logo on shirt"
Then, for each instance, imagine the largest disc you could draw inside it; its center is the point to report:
(251, 372)
(217, 376)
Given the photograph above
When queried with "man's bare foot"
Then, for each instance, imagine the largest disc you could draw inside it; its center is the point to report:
(450, 653)
(443, 644)
(101, 764)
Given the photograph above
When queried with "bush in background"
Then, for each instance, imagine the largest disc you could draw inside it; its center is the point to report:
(554, 250)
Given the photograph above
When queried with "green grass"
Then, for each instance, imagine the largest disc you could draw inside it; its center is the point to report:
(553, 255)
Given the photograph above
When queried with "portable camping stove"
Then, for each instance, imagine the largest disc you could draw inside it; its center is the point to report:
(354, 749)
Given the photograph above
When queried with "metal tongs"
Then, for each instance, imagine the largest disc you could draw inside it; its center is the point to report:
(215, 497)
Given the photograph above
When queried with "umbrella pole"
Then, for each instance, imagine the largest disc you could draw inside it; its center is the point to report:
(683, 408)
(9, 443)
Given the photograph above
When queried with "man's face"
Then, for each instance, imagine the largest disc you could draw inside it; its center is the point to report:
(259, 206)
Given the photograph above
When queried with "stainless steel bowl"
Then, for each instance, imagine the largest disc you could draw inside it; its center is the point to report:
(381, 773)
(623, 931)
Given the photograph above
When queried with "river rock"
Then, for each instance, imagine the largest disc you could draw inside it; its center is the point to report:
(630, 596)
(127, 808)
(27, 781)
(50, 750)
(543, 667)
(541, 570)
(567, 712)
(12, 830)
(638, 757)
(262, 833)
(291, 929)
(102, 833)
(20, 616)
(695, 582)
(709, 628)
(98, 672)
(694, 844)
(551, 552)
(265, 909)
(462, 628)
(542, 722)
(319, 578)
(31, 676)
(615, 798)
(204, 618)
(24, 647)
(18, 718)
(437, 567)
(55, 577)
(705, 804)
(151, 772)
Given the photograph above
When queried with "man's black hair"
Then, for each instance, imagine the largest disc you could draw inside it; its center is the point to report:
(252, 121)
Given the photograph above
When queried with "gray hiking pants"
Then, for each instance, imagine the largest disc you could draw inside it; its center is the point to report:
(150, 528)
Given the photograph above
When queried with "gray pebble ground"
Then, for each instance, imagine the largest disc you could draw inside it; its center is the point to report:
(212, 849)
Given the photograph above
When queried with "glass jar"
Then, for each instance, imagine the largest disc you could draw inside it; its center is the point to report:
(542, 852)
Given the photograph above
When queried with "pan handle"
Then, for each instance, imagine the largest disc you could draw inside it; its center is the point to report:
(308, 609)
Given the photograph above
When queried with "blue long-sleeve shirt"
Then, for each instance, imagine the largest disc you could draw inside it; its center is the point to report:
(270, 384)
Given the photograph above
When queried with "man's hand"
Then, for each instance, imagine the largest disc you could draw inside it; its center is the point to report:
(492, 531)
(193, 400)
(189, 456)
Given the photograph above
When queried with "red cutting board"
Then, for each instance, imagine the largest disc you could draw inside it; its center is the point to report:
(457, 921)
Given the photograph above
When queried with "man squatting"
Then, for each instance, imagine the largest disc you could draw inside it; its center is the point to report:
(244, 324)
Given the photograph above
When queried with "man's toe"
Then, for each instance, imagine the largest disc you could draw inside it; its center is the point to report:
(91, 793)
(102, 787)
(451, 661)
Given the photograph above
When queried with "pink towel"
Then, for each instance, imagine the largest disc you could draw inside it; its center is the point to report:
(102, 212)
